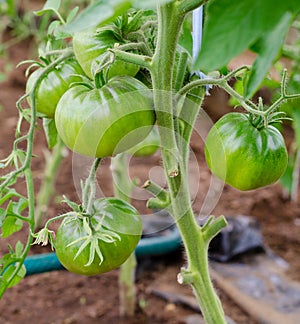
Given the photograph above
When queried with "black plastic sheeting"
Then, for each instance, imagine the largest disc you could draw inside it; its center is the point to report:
(242, 235)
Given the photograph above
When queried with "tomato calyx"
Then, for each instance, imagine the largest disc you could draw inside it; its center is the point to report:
(93, 235)
(261, 122)
(266, 116)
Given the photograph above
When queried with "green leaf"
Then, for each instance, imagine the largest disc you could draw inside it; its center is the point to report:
(53, 26)
(10, 221)
(231, 26)
(8, 264)
(19, 249)
(267, 48)
(7, 194)
(17, 278)
(50, 5)
(99, 12)
(104, 11)
(50, 131)
(72, 14)
(11, 225)
(72, 204)
(186, 39)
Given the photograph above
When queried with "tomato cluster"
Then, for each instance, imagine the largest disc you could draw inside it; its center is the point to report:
(99, 109)
(98, 112)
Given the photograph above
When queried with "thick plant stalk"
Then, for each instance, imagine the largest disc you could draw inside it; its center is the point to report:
(127, 293)
(122, 190)
(195, 238)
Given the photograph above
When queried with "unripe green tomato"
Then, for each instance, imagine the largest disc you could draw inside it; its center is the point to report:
(90, 46)
(106, 121)
(116, 228)
(243, 156)
(53, 85)
(148, 146)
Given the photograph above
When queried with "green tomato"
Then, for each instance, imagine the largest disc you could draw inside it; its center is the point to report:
(53, 85)
(148, 146)
(94, 244)
(90, 46)
(106, 121)
(244, 156)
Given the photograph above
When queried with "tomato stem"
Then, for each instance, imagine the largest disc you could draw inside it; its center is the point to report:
(89, 188)
(140, 60)
(174, 154)
(29, 136)
(122, 189)
(26, 164)
(162, 197)
(169, 25)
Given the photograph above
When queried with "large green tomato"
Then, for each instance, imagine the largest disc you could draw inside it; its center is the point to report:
(53, 85)
(90, 46)
(244, 156)
(106, 121)
(100, 242)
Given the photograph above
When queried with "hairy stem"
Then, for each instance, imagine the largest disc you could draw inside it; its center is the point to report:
(88, 191)
(196, 273)
(169, 24)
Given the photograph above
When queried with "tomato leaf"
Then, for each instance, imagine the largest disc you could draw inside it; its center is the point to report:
(9, 193)
(231, 26)
(267, 47)
(96, 13)
(9, 263)
(186, 39)
(104, 11)
(50, 132)
(17, 278)
(50, 5)
(72, 14)
(11, 223)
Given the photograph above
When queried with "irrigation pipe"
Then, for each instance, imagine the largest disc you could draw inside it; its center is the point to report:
(148, 246)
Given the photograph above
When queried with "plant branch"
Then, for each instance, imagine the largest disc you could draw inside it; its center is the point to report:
(140, 60)
(169, 25)
(122, 190)
(186, 6)
(32, 125)
(89, 188)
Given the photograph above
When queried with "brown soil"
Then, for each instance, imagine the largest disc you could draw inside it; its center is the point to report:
(63, 297)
